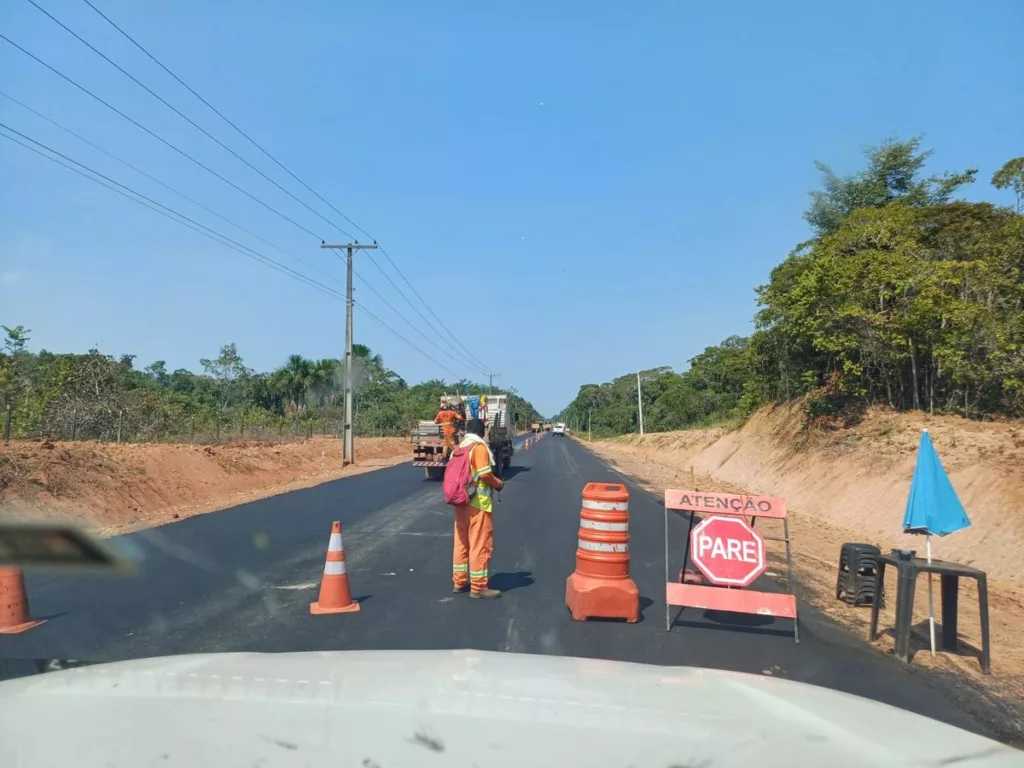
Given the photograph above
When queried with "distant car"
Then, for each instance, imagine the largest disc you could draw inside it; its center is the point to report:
(559, 430)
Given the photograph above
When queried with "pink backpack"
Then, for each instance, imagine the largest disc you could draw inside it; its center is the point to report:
(458, 478)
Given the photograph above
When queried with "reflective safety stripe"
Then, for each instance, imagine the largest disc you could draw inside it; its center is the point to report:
(594, 546)
(596, 525)
(335, 544)
(478, 574)
(606, 506)
(484, 490)
(334, 568)
(460, 568)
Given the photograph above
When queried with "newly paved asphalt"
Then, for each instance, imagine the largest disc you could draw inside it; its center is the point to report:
(242, 580)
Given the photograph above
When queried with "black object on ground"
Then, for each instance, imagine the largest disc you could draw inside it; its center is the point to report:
(858, 566)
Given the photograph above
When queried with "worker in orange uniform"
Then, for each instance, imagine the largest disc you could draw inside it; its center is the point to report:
(448, 418)
(474, 526)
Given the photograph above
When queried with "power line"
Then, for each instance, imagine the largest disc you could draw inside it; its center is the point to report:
(179, 218)
(223, 117)
(277, 162)
(180, 114)
(380, 322)
(473, 363)
(157, 137)
(408, 322)
(128, 192)
(394, 266)
(439, 320)
(164, 185)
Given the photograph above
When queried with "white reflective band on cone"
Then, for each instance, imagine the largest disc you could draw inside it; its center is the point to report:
(335, 544)
(334, 568)
(606, 506)
(594, 546)
(599, 526)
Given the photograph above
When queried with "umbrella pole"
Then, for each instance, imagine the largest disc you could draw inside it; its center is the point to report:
(931, 604)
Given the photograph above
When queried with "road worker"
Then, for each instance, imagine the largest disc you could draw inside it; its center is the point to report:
(449, 419)
(474, 526)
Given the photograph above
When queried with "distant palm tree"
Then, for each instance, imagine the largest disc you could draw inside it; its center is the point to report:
(361, 350)
(294, 378)
(323, 373)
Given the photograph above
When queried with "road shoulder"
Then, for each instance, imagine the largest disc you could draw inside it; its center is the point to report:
(994, 699)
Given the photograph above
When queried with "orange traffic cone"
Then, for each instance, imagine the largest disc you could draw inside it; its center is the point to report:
(335, 594)
(14, 613)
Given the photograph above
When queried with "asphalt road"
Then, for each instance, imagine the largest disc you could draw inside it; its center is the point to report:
(242, 580)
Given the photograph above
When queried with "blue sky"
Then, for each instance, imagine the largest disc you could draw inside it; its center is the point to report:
(607, 181)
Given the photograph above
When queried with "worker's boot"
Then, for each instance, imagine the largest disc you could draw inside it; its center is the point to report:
(460, 590)
(486, 594)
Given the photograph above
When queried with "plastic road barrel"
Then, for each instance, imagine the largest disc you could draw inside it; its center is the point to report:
(601, 587)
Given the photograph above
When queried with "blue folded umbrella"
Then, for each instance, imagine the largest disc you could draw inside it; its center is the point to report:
(933, 506)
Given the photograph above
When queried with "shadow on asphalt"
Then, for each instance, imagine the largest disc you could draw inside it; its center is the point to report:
(511, 472)
(509, 581)
(739, 623)
(362, 599)
(738, 619)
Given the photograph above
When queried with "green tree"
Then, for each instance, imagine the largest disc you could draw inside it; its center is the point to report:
(295, 378)
(13, 364)
(230, 373)
(1011, 176)
(892, 176)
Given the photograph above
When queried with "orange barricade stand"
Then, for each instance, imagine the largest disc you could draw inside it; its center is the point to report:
(684, 593)
(601, 587)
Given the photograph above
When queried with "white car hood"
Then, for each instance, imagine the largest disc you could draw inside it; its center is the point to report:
(396, 708)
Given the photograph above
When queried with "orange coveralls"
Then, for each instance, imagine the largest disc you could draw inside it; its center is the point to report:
(474, 526)
(447, 420)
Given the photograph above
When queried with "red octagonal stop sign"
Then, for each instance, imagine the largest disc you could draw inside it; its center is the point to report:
(727, 550)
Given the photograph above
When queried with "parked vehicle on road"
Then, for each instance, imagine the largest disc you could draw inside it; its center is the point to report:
(493, 410)
(559, 429)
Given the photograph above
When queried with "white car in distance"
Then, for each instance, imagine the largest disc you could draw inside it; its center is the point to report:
(559, 429)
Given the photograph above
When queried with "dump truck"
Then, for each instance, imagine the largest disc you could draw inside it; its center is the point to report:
(493, 410)
(547, 427)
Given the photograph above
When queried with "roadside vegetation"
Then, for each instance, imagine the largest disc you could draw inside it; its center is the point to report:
(95, 396)
(906, 296)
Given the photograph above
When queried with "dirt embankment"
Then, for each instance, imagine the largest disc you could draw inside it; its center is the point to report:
(119, 488)
(852, 485)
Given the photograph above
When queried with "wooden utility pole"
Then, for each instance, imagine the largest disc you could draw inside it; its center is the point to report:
(347, 453)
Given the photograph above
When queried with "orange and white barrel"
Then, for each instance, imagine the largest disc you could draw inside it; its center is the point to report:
(601, 586)
(602, 550)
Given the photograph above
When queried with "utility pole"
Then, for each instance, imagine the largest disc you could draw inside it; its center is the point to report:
(590, 435)
(347, 454)
(490, 382)
(640, 402)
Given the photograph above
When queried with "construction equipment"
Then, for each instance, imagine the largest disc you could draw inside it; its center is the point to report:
(547, 427)
(428, 437)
